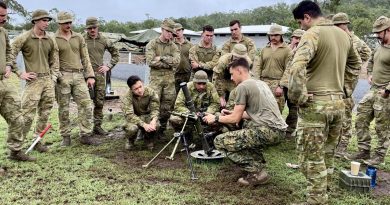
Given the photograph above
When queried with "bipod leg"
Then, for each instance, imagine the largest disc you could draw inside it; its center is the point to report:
(147, 165)
(193, 177)
(178, 140)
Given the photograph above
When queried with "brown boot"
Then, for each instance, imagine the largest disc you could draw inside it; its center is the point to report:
(40, 147)
(254, 179)
(129, 144)
(20, 156)
(88, 140)
(99, 130)
(360, 155)
(65, 141)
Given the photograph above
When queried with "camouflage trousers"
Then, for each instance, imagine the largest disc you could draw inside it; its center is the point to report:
(179, 78)
(163, 82)
(72, 84)
(10, 109)
(292, 117)
(38, 96)
(244, 147)
(132, 129)
(273, 84)
(98, 101)
(346, 131)
(373, 106)
(319, 127)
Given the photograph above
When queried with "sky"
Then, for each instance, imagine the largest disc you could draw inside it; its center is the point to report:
(137, 11)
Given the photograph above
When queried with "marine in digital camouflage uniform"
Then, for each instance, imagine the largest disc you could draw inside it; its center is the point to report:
(316, 85)
(97, 44)
(341, 20)
(141, 107)
(163, 57)
(375, 105)
(75, 67)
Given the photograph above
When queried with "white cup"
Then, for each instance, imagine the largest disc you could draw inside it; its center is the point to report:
(355, 166)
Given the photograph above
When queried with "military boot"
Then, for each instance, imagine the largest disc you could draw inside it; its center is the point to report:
(99, 130)
(129, 144)
(360, 155)
(65, 141)
(88, 140)
(20, 156)
(40, 147)
(254, 179)
(375, 161)
(340, 150)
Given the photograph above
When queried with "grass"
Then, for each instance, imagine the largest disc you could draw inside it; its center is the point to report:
(107, 174)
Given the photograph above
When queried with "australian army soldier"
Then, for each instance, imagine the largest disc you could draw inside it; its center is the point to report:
(204, 56)
(316, 86)
(183, 71)
(75, 67)
(341, 20)
(9, 97)
(272, 61)
(238, 37)
(141, 106)
(163, 57)
(376, 103)
(97, 44)
(40, 54)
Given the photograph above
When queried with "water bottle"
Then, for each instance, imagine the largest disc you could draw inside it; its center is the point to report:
(109, 117)
(371, 171)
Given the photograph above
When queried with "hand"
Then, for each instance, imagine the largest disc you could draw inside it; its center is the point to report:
(222, 101)
(153, 124)
(278, 91)
(103, 69)
(209, 118)
(28, 76)
(7, 71)
(148, 127)
(157, 58)
(90, 82)
(225, 112)
(194, 65)
(383, 93)
(369, 78)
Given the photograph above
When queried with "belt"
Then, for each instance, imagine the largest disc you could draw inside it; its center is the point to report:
(42, 74)
(326, 97)
(72, 70)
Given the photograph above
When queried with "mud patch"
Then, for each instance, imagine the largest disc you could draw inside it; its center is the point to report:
(383, 184)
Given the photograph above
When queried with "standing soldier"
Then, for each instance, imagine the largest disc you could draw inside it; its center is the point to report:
(97, 45)
(376, 103)
(9, 98)
(163, 57)
(75, 67)
(341, 20)
(40, 54)
(238, 37)
(272, 61)
(204, 56)
(316, 86)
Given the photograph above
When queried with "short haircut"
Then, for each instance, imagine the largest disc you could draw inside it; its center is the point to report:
(239, 62)
(307, 7)
(208, 28)
(3, 5)
(133, 80)
(235, 21)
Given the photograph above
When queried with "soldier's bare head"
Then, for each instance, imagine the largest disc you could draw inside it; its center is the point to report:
(136, 85)
(3, 13)
(207, 34)
(235, 29)
(306, 14)
(239, 70)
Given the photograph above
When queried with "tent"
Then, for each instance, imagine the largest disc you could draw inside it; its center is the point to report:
(143, 38)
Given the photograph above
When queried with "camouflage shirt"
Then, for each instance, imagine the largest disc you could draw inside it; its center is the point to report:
(5, 53)
(207, 101)
(168, 52)
(184, 66)
(133, 107)
(207, 58)
(40, 54)
(96, 48)
(248, 42)
(362, 48)
(379, 66)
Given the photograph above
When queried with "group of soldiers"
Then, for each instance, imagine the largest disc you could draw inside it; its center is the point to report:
(236, 90)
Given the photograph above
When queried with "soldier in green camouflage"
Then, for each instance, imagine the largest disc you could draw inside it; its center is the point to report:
(376, 103)
(10, 108)
(163, 57)
(141, 107)
(75, 67)
(341, 20)
(97, 45)
(316, 85)
(205, 55)
(238, 37)
(40, 54)
(272, 61)
(183, 71)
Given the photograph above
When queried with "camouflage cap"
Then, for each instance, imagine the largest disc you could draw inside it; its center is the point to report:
(91, 22)
(275, 29)
(64, 17)
(200, 77)
(381, 24)
(340, 18)
(178, 26)
(40, 14)
(239, 50)
(169, 25)
(298, 33)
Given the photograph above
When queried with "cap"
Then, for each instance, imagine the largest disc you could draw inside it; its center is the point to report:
(275, 29)
(200, 77)
(340, 18)
(178, 26)
(64, 17)
(169, 25)
(298, 33)
(381, 24)
(91, 22)
(40, 14)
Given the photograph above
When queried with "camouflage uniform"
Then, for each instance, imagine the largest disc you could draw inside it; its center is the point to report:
(246, 41)
(183, 71)
(207, 58)
(162, 72)
(96, 48)
(320, 60)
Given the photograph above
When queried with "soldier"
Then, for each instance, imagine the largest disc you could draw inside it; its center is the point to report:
(341, 20)
(97, 44)
(75, 67)
(221, 77)
(163, 57)
(265, 127)
(183, 71)
(205, 55)
(271, 63)
(376, 103)
(238, 37)
(9, 99)
(141, 107)
(316, 86)
(40, 54)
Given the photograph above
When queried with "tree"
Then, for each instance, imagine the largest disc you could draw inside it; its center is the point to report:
(16, 8)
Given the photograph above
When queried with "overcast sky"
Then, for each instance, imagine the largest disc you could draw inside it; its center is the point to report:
(135, 11)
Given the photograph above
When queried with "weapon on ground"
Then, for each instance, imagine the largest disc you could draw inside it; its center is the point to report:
(38, 138)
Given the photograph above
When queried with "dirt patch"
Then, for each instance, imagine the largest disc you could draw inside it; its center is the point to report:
(383, 184)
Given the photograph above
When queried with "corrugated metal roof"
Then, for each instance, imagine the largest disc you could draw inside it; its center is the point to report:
(263, 29)
(186, 32)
